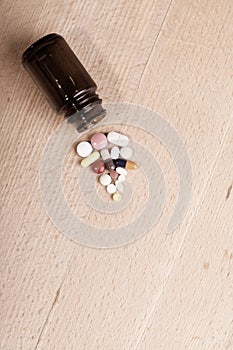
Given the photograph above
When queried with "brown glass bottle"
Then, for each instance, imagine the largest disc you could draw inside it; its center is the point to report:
(64, 81)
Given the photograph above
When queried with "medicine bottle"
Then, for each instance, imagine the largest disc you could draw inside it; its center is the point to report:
(64, 81)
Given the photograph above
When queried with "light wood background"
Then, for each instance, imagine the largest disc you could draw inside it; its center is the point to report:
(161, 292)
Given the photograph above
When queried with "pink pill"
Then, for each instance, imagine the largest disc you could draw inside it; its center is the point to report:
(114, 175)
(99, 141)
(98, 166)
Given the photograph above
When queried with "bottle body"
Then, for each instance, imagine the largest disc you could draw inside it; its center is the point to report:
(64, 81)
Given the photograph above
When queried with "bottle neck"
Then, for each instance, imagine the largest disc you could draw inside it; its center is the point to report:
(84, 110)
(83, 99)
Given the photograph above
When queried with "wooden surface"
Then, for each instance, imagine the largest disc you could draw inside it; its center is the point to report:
(161, 292)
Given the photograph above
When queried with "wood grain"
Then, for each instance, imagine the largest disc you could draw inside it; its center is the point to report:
(162, 291)
(199, 292)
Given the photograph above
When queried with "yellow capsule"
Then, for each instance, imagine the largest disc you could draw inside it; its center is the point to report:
(90, 159)
(131, 165)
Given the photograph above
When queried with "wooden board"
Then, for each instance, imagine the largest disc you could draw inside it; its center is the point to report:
(161, 292)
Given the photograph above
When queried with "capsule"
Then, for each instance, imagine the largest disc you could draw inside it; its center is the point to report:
(117, 139)
(90, 159)
(127, 164)
(107, 159)
(109, 164)
(98, 166)
(105, 154)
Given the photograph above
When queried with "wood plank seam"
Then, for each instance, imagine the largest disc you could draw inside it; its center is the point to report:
(54, 303)
(179, 250)
(152, 49)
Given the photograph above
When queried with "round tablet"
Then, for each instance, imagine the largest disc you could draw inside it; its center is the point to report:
(99, 141)
(111, 188)
(121, 178)
(121, 171)
(105, 179)
(84, 149)
(116, 197)
(126, 152)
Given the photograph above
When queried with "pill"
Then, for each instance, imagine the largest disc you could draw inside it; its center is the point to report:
(127, 164)
(121, 178)
(99, 141)
(117, 139)
(107, 159)
(98, 166)
(115, 151)
(116, 197)
(105, 154)
(126, 152)
(111, 188)
(90, 159)
(114, 175)
(105, 179)
(119, 186)
(121, 171)
(109, 164)
(84, 149)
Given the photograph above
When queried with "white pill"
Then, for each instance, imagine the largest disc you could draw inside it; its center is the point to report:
(121, 171)
(119, 186)
(121, 178)
(105, 154)
(105, 179)
(115, 151)
(117, 139)
(126, 152)
(84, 149)
(111, 188)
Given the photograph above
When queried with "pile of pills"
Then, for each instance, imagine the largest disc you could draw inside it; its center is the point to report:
(109, 156)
